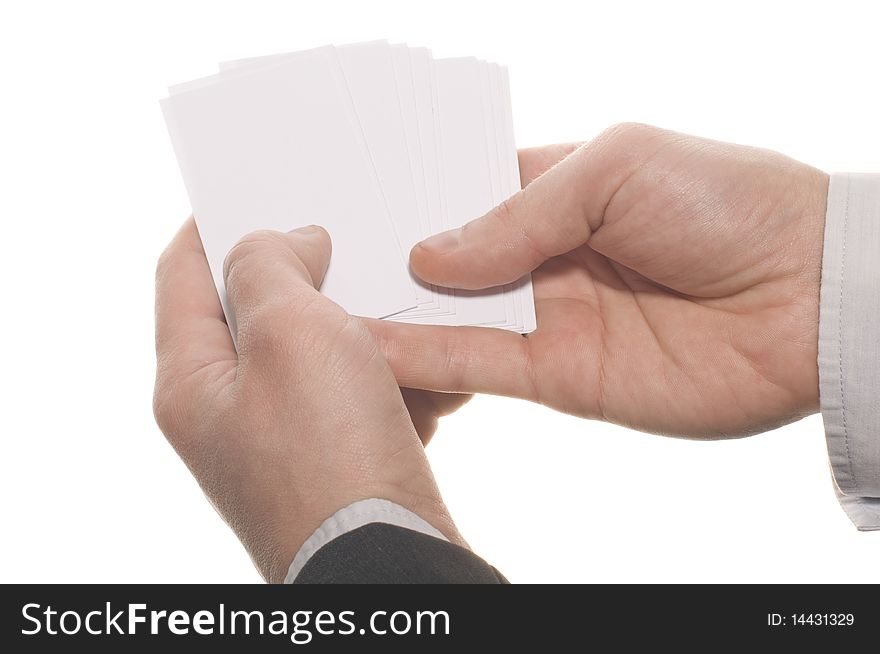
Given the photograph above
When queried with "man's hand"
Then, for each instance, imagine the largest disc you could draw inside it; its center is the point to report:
(306, 417)
(676, 284)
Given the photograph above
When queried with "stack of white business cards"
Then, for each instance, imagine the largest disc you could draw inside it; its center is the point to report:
(382, 145)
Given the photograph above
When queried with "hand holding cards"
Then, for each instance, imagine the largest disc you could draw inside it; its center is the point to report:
(380, 144)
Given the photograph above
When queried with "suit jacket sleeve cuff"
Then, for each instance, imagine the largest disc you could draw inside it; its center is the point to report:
(355, 516)
(849, 343)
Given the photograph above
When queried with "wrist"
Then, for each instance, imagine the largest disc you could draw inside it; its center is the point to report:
(815, 195)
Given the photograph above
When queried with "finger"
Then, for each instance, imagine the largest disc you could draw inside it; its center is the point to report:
(534, 162)
(445, 403)
(456, 359)
(268, 268)
(190, 330)
(426, 407)
(555, 213)
(420, 413)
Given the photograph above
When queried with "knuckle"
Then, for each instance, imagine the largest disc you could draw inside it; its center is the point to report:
(262, 238)
(278, 329)
(457, 363)
(514, 216)
(626, 139)
(628, 131)
(167, 410)
(265, 329)
(506, 216)
(241, 268)
(505, 212)
(247, 251)
(353, 332)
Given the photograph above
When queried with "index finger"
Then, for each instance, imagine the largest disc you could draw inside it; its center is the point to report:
(457, 359)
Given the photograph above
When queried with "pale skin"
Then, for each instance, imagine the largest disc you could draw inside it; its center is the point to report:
(305, 418)
(676, 286)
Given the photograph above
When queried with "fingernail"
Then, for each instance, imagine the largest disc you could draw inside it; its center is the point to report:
(305, 230)
(442, 242)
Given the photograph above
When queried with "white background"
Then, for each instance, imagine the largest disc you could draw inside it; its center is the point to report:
(90, 193)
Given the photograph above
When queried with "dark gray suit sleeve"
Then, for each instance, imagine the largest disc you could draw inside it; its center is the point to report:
(380, 553)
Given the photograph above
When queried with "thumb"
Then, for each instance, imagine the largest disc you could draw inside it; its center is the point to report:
(555, 213)
(266, 268)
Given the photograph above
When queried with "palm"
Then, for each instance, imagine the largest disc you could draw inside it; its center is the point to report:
(616, 346)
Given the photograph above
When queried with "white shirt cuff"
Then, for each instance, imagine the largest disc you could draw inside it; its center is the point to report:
(849, 343)
(863, 511)
(352, 517)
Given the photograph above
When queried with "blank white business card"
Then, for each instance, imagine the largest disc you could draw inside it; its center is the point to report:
(279, 149)
(428, 145)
